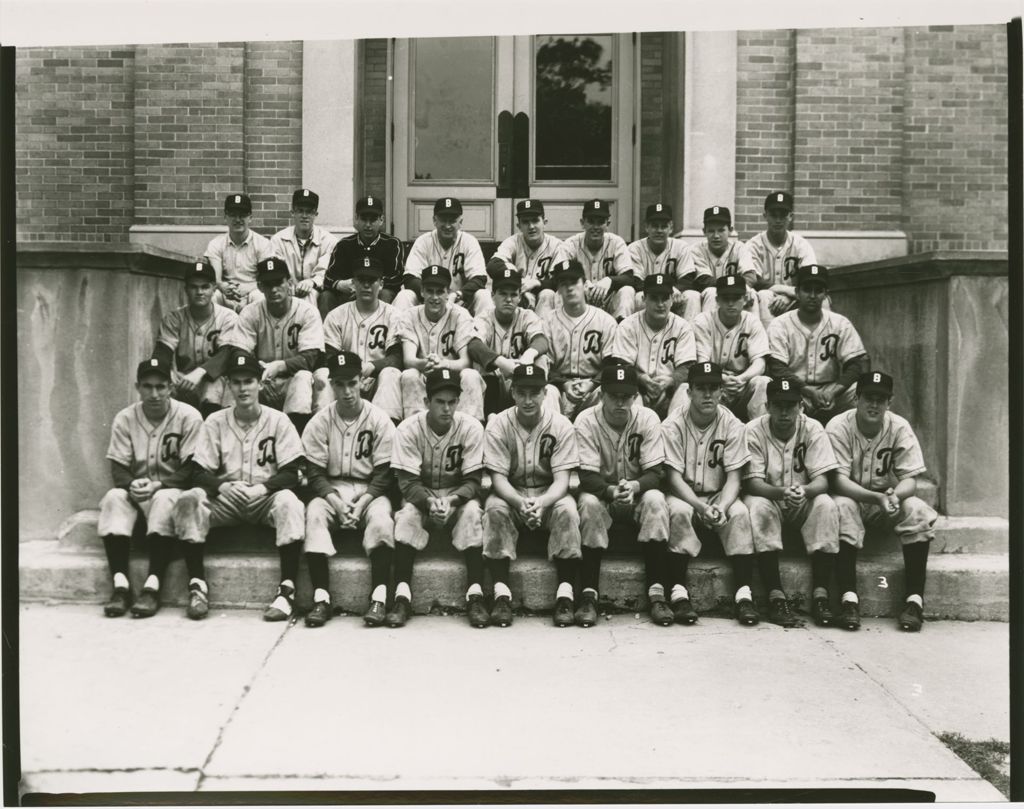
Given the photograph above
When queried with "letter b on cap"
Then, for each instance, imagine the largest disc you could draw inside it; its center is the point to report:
(620, 375)
(877, 378)
(707, 367)
(785, 385)
(447, 203)
(529, 370)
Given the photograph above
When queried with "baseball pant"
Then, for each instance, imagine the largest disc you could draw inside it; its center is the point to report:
(751, 401)
(413, 528)
(377, 524)
(736, 536)
(709, 300)
(685, 303)
(292, 394)
(248, 291)
(414, 392)
(502, 523)
(650, 513)
(118, 513)
(846, 400)
(621, 302)
(384, 390)
(818, 519)
(547, 301)
(195, 514)
(571, 409)
(679, 401)
(914, 522)
(499, 389)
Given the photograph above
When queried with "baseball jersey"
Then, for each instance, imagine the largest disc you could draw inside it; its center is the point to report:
(441, 461)
(369, 336)
(704, 456)
(349, 450)
(707, 263)
(388, 250)
(277, 338)
(734, 349)
(307, 260)
(530, 458)
(534, 265)
(447, 337)
(252, 456)
(194, 343)
(611, 259)
(577, 345)
(154, 451)
(512, 340)
(464, 259)
(614, 454)
(654, 351)
(674, 261)
(776, 265)
(796, 462)
(237, 263)
(877, 463)
(815, 356)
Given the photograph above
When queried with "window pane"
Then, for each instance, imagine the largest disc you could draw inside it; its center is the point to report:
(454, 108)
(573, 120)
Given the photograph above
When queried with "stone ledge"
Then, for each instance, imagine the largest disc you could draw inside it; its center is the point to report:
(143, 259)
(918, 268)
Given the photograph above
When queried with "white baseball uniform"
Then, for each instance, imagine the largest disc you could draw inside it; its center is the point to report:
(776, 265)
(656, 352)
(613, 258)
(463, 259)
(734, 349)
(193, 344)
(577, 346)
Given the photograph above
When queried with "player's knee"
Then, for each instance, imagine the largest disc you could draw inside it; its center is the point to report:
(114, 499)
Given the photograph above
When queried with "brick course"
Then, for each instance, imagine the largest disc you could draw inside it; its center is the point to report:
(654, 185)
(372, 96)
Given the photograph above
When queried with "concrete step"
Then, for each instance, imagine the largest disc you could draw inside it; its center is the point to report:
(963, 586)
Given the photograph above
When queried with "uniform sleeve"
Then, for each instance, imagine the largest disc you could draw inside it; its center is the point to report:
(473, 449)
(507, 251)
(193, 425)
(623, 260)
(288, 444)
(405, 454)
(703, 345)
(850, 345)
(636, 259)
(624, 342)
(496, 454)
(675, 453)
(262, 244)
(688, 264)
(749, 260)
(464, 330)
(735, 455)
(909, 462)
(417, 259)
(277, 251)
(315, 438)
(333, 334)
(757, 339)
(652, 450)
(532, 326)
(170, 327)
(207, 454)
(778, 343)
(610, 325)
(686, 345)
(405, 330)
(566, 454)
(384, 448)
(243, 334)
(120, 447)
(818, 455)
(588, 437)
(311, 334)
(839, 438)
(215, 255)
(805, 253)
(756, 465)
(473, 260)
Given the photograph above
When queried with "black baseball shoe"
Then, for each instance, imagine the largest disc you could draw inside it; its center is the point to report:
(912, 617)
(119, 602)
(375, 614)
(822, 612)
(563, 615)
(283, 605)
(319, 615)
(198, 602)
(684, 612)
(586, 612)
(849, 615)
(399, 613)
(501, 611)
(660, 612)
(147, 604)
(476, 612)
(780, 613)
(746, 612)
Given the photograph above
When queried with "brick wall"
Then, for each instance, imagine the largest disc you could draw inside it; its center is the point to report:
(373, 112)
(654, 185)
(955, 144)
(73, 119)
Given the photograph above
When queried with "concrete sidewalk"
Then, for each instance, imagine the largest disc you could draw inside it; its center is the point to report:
(234, 703)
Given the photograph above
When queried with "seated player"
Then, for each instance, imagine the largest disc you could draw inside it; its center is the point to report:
(661, 254)
(247, 462)
(439, 457)
(235, 254)
(448, 246)
(719, 255)
(530, 452)
(735, 340)
(436, 334)
(820, 348)
(704, 456)
(532, 252)
(604, 257)
(786, 484)
(150, 442)
(879, 460)
(580, 337)
(505, 338)
(366, 327)
(659, 344)
(621, 457)
(304, 246)
(190, 339)
(348, 455)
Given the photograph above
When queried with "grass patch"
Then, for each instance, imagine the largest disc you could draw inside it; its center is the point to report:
(990, 759)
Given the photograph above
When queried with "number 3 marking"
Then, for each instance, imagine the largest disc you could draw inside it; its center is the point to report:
(883, 583)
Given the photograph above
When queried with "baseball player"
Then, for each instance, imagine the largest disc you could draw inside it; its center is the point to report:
(774, 254)
(504, 338)
(248, 459)
(304, 246)
(820, 348)
(659, 344)
(531, 252)
(704, 455)
(607, 267)
(662, 254)
(439, 458)
(580, 337)
(448, 246)
(367, 242)
(348, 455)
(234, 255)
(718, 255)
(786, 483)
(365, 326)
(150, 442)
(879, 461)
(736, 340)
(287, 336)
(530, 452)
(621, 474)
(189, 340)
(436, 334)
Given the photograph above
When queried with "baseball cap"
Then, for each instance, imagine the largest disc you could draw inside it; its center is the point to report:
(731, 284)
(441, 378)
(243, 362)
(448, 205)
(270, 269)
(370, 205)
(529, 376)
(659, 212)
(436, 274)
(874, 381)
(344, 365)
(238, 203)
(203, 270)
(506, 278)
(367, 267)
(620, 379)
(567, 270)
(596, 207)
(811, 272)
(784, 390)
(779, 199)
(529, 206)
(305, 200)
(154, 365)
(704, 372)
(659, 282)
(717, 214)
